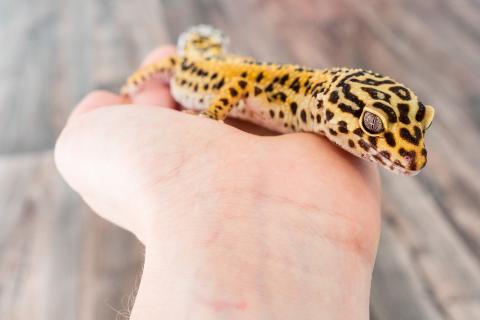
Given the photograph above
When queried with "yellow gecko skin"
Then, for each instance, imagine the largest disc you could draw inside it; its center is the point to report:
(367, 114)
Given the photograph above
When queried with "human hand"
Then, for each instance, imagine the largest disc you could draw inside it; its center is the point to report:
(235, 225)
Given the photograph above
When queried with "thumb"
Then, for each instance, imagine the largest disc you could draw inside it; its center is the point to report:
(99, 154)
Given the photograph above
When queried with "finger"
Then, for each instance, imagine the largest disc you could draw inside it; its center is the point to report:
(155, 92)
(94, 100)
(159, 53)
(97, 153)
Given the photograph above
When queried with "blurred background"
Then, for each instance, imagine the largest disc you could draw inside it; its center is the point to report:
(58, 260)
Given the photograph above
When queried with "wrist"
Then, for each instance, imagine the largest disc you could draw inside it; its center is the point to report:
(267, 266)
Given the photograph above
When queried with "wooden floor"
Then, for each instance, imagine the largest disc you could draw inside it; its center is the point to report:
(59, 261)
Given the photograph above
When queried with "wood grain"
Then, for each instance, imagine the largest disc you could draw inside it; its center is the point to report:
(60, 261)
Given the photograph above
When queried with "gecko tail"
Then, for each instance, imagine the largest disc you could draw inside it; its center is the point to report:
(203, 40)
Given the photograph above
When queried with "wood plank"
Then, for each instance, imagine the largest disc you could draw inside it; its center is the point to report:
(61, 261)
(60, 50)
(450, 271)
(397, 283)
(58, 260)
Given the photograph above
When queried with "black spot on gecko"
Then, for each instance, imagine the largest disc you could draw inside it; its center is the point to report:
(341, 82)
(342, 129)
(373, 141)
(401, 92)
(257, 91)
(398, 163)
(283, 79)
(242, 84)
(220, 84)
(293, 107)
(233, 92)
(205, 86)
(358, 132)
(350, 96)
(373, 82)
(412, 155)
(319, 104)
(332, 132)
(303, 115)
(269, 88)
(342, 126)
(385, 154)
(328, 115)
(390, 139)
(377, 94)
(280, 95)
(351, 144)
(259, 77)
(214, 75)
(308, 87)
(295, 86)
(379, 159)
(346, 108)
(420, 113)
(224, 101)
(392, 116)
(364, 145)
(333, 97)
(272, 113)
(407, 136)
(403, 108)
(243, 74)
(315, 89)
(185, 66)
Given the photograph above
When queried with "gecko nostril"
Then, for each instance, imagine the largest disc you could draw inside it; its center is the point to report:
(408, 159)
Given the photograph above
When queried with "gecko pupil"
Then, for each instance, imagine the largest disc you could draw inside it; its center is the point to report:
(372, 123)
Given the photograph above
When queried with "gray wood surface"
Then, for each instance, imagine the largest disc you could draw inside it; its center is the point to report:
(58, 260)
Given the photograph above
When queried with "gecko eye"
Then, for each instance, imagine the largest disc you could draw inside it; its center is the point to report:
(372, 123)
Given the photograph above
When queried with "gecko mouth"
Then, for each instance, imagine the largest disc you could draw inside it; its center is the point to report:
(373, 155)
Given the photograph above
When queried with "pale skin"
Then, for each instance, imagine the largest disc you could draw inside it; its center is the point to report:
(235, 225)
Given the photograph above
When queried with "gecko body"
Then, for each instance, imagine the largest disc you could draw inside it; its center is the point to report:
(365, 113)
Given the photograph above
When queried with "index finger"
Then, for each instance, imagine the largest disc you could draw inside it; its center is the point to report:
(153, 91)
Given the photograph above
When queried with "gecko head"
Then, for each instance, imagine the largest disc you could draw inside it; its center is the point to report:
(203, 40)
(379, 119)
